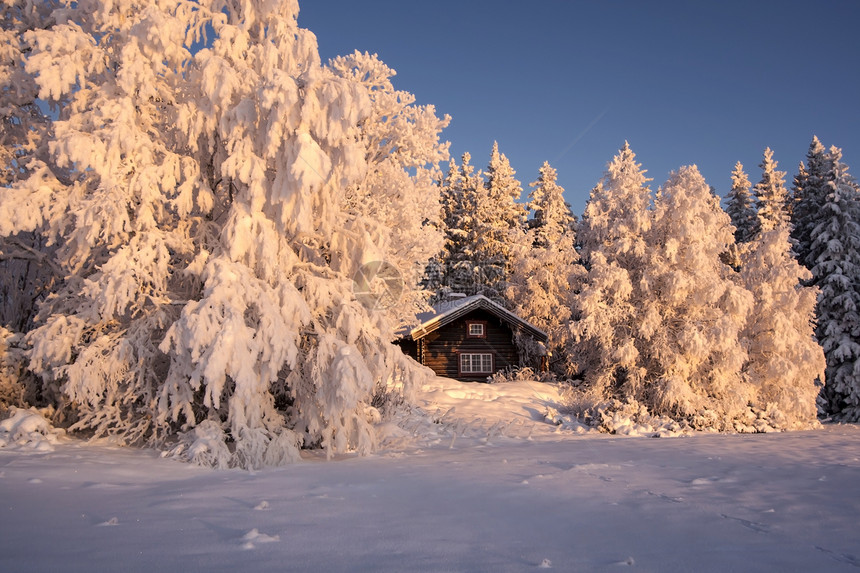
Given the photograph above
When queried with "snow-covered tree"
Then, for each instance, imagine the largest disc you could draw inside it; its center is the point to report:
(199, 208)
(450, 220)
(809, 194)
(835, 250)
(26, 271)
(784, 357)
(499, 226)
(795, 194)
(740, 206)
(612, 233)
(398, 198)
(771, 195)
(546, 273)
(690, 353)
(552, 220)
(618, 213)
(458, 195)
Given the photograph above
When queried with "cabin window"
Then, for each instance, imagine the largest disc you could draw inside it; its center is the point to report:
(476, 329)
(473, 363)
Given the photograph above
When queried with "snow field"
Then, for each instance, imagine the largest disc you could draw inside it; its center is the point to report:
(530, 496)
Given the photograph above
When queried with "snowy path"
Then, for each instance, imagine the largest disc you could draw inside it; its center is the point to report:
(767, 502)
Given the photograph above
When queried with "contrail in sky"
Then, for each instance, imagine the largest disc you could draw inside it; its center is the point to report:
(581, 134)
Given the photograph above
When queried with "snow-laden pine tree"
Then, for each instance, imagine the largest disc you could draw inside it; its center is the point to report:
(198, 208)
(795, 194)
(436, 273)
(618, 213)
(499, 226)
(784, 357)
(612, 233)
(771, 195)
(811, 188)
(547, 273)
(458, 195)
(689, 355)
(740, 205)
(835, 250)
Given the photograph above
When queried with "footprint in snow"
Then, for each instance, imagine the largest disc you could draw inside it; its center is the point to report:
(759, 527)
(254, 536)
(841, 557)
(629, 562)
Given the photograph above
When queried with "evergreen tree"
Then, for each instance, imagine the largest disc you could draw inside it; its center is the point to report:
(796, 193)
(687, 340)
(835, 250)
(552, 219)
(459, 195)
(499, 226)
(547, 273)
(199, 208)
(614, 247)
(784, 358)
(740, 205)
(811, 189)
(618, 214)
(771, 195)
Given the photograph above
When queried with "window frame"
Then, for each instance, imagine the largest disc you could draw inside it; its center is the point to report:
(471, 371)
(471, 323)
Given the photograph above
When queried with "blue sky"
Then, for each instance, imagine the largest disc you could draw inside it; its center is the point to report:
(705, 83)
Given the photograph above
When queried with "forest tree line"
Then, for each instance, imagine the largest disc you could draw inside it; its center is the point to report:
(746, 313)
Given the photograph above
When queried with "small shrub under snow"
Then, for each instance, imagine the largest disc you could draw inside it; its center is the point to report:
(28, 430)
(520, 374)
(632, 418)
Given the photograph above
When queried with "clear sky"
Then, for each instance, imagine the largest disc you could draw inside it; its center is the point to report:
(685, 82)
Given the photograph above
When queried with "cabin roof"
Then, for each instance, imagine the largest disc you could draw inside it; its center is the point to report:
(446, 312)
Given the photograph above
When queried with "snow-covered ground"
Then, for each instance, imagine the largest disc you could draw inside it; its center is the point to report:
(487, 486)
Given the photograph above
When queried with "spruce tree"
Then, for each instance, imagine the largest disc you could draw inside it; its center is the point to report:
(618, 213)
(811, 189)
(552, 219)
(458, 196)
(547, 273)
(692, 311)
(614, 248)
(740, 205)
(795, 195)
(784, 357)
(771, 195)
(835, 250)
(499, 226)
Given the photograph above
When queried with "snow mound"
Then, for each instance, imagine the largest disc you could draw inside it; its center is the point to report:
(617, 417)
(204, 445)
(254, 536)
(28, 430)
(449, 410)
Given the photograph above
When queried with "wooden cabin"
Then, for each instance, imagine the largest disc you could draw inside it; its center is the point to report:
(469, 338)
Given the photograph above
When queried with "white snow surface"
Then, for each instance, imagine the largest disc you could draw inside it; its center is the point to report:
(475, 478)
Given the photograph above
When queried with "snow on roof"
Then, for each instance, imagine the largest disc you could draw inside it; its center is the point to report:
(450, 310)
